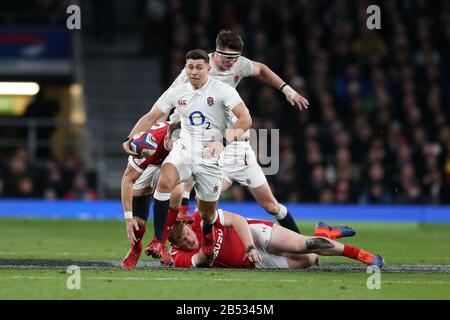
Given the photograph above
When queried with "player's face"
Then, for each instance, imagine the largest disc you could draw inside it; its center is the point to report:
(188, 240)
(225, 62)
(197, 71)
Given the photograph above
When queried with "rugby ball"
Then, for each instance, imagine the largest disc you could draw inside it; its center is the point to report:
(144, 144)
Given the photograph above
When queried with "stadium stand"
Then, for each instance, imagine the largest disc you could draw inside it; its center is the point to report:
(378, 126)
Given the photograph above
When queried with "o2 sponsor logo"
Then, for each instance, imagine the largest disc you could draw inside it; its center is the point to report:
(197, 118)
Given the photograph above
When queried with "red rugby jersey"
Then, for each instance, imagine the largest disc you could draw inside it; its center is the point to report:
(159, 131)
(229, 250)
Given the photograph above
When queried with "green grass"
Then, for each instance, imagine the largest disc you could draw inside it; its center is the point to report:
(106, 240)
(218, 284)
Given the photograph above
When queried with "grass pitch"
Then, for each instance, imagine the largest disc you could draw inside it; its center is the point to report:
(418, 259)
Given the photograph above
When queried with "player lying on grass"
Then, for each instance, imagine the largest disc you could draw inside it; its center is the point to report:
(138, 183)
(249, 243)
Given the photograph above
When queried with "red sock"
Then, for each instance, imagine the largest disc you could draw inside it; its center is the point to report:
(357, 254)
(140, 233)
(351, 251)
(172, 215)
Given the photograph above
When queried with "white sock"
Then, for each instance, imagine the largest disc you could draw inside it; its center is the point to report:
(282, 213)
(161, 196)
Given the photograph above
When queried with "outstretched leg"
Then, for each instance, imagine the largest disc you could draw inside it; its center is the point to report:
(265, 198)
(286, 241)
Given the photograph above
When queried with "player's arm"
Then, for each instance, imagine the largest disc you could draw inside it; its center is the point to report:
(159, 109)
(240, 225)
(147, 120)
(185, 259)
(266, 75)
(243, 123)
(181, 79)
(128, 179)
(201, 260)
(236, 133)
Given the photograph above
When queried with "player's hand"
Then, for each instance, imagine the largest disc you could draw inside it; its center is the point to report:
(131, 225)
(253, 255)
(126, 145)
(186, 219)
(297, 99)
(294, 98)
(213, 150)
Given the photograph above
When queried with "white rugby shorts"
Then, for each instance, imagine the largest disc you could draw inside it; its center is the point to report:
(148, 178)
(261, 234)
(239, 164)
(207, 174)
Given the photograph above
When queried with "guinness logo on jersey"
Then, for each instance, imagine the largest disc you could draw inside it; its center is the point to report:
(210, 101)
(182, 102)
(236, 79)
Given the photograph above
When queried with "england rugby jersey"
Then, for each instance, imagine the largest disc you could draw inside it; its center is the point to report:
(205, 112)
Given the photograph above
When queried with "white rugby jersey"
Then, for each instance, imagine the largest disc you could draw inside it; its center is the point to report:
(205, 112)
(242, 68)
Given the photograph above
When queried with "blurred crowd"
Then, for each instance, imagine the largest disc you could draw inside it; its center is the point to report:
(50, 179)
(378, 126)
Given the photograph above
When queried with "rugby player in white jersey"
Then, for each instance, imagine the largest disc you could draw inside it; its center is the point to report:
(205, 106)
(238, 159)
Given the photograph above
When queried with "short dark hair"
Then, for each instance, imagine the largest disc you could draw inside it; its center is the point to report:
(197, 54)
(174, 127)
(229, 39)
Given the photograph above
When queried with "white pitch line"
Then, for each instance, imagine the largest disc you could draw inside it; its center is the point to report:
(224, 280)
(111, 254)
(14, 253)
(150, 279)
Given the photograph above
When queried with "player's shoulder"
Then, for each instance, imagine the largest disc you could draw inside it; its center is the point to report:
(159, 126)
(158, 130)
(242, 63)
(243, 60)
(178, 87)
(221, 86)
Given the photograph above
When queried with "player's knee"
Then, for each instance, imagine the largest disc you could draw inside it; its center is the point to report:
(147, 191)
(176, 196)
(312, 259)
(165, 184)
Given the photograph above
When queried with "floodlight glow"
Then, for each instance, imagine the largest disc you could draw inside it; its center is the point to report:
(19, 88)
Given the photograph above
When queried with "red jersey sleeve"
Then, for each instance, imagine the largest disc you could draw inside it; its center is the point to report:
(158, 132)
(182, 259)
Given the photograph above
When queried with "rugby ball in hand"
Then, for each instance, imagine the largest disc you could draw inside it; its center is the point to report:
(144, 144)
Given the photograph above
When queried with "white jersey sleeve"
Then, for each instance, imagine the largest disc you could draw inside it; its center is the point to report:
(166, 102)
(231, 97)
(246, 66)
(182, 78)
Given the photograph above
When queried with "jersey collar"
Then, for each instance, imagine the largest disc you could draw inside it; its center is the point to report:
(202, 89)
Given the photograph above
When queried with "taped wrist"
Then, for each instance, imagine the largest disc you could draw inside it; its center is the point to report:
(288, 91)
